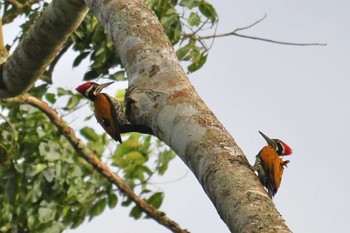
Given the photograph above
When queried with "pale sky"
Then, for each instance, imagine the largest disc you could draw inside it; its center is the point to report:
(298, 94)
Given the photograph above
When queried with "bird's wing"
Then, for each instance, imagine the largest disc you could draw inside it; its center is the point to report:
(278, 172)
(106, 116)
(268, 157)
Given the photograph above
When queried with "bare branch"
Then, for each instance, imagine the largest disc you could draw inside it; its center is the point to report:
(234, 33)
(92, 159)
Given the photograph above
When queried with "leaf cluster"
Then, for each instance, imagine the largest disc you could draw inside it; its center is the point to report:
(140, 158)
(182, 21)
(46, 187)
(91, 40)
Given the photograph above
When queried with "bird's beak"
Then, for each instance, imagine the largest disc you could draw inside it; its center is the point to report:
(269, 141)
(102, 86)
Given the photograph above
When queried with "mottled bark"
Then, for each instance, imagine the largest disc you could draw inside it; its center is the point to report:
(160, 96)
(40, 46)
(3, 52)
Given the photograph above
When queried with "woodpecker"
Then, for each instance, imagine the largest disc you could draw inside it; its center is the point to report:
(109, 112)
(269, 165)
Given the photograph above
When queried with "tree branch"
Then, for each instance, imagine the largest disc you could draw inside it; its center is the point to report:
(235, 33)
(92, 159)
(40, 45)
(163, 98)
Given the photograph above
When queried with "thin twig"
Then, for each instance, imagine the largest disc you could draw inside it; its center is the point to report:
(215, 30)
(92, 158)
(279, 42)
(7, 120)
(200, 27)
(251, 25)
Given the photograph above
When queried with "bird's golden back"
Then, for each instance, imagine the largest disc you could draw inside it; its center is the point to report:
(106, 116)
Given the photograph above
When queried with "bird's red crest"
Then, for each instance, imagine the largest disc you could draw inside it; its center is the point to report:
(83, 87)
(287, 149)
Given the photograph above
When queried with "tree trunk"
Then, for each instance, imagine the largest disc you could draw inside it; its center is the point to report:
(161, 97)
(40, 45)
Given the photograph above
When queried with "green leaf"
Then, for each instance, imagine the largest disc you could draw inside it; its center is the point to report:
(163, 160)
(112, 200)
(11, 189)
(189, 3)
(127, 202)
(62, 92)
(73, 102)
(120, 95)
(46, 214)
(39, 91)
(100, 51)
(145, 146)
(156, 199)
(36, 190)
(49, 174)
(136, 157)
(136, 212)
(33, 169)
(194, 19)
(208, 10)
(198, 62)
(49, 151)
(79, 34)
(50, 97)
(32, 221)
(80, 57)
(77, 221)
(89, 134)
(98, 208)
(51, 227)
(92, 74)
(118, 76)
(127, 146)
(182, 52)
(177, 31)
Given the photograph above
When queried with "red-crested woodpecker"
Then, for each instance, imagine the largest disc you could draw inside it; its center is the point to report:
(269, 165)
(109, 112)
